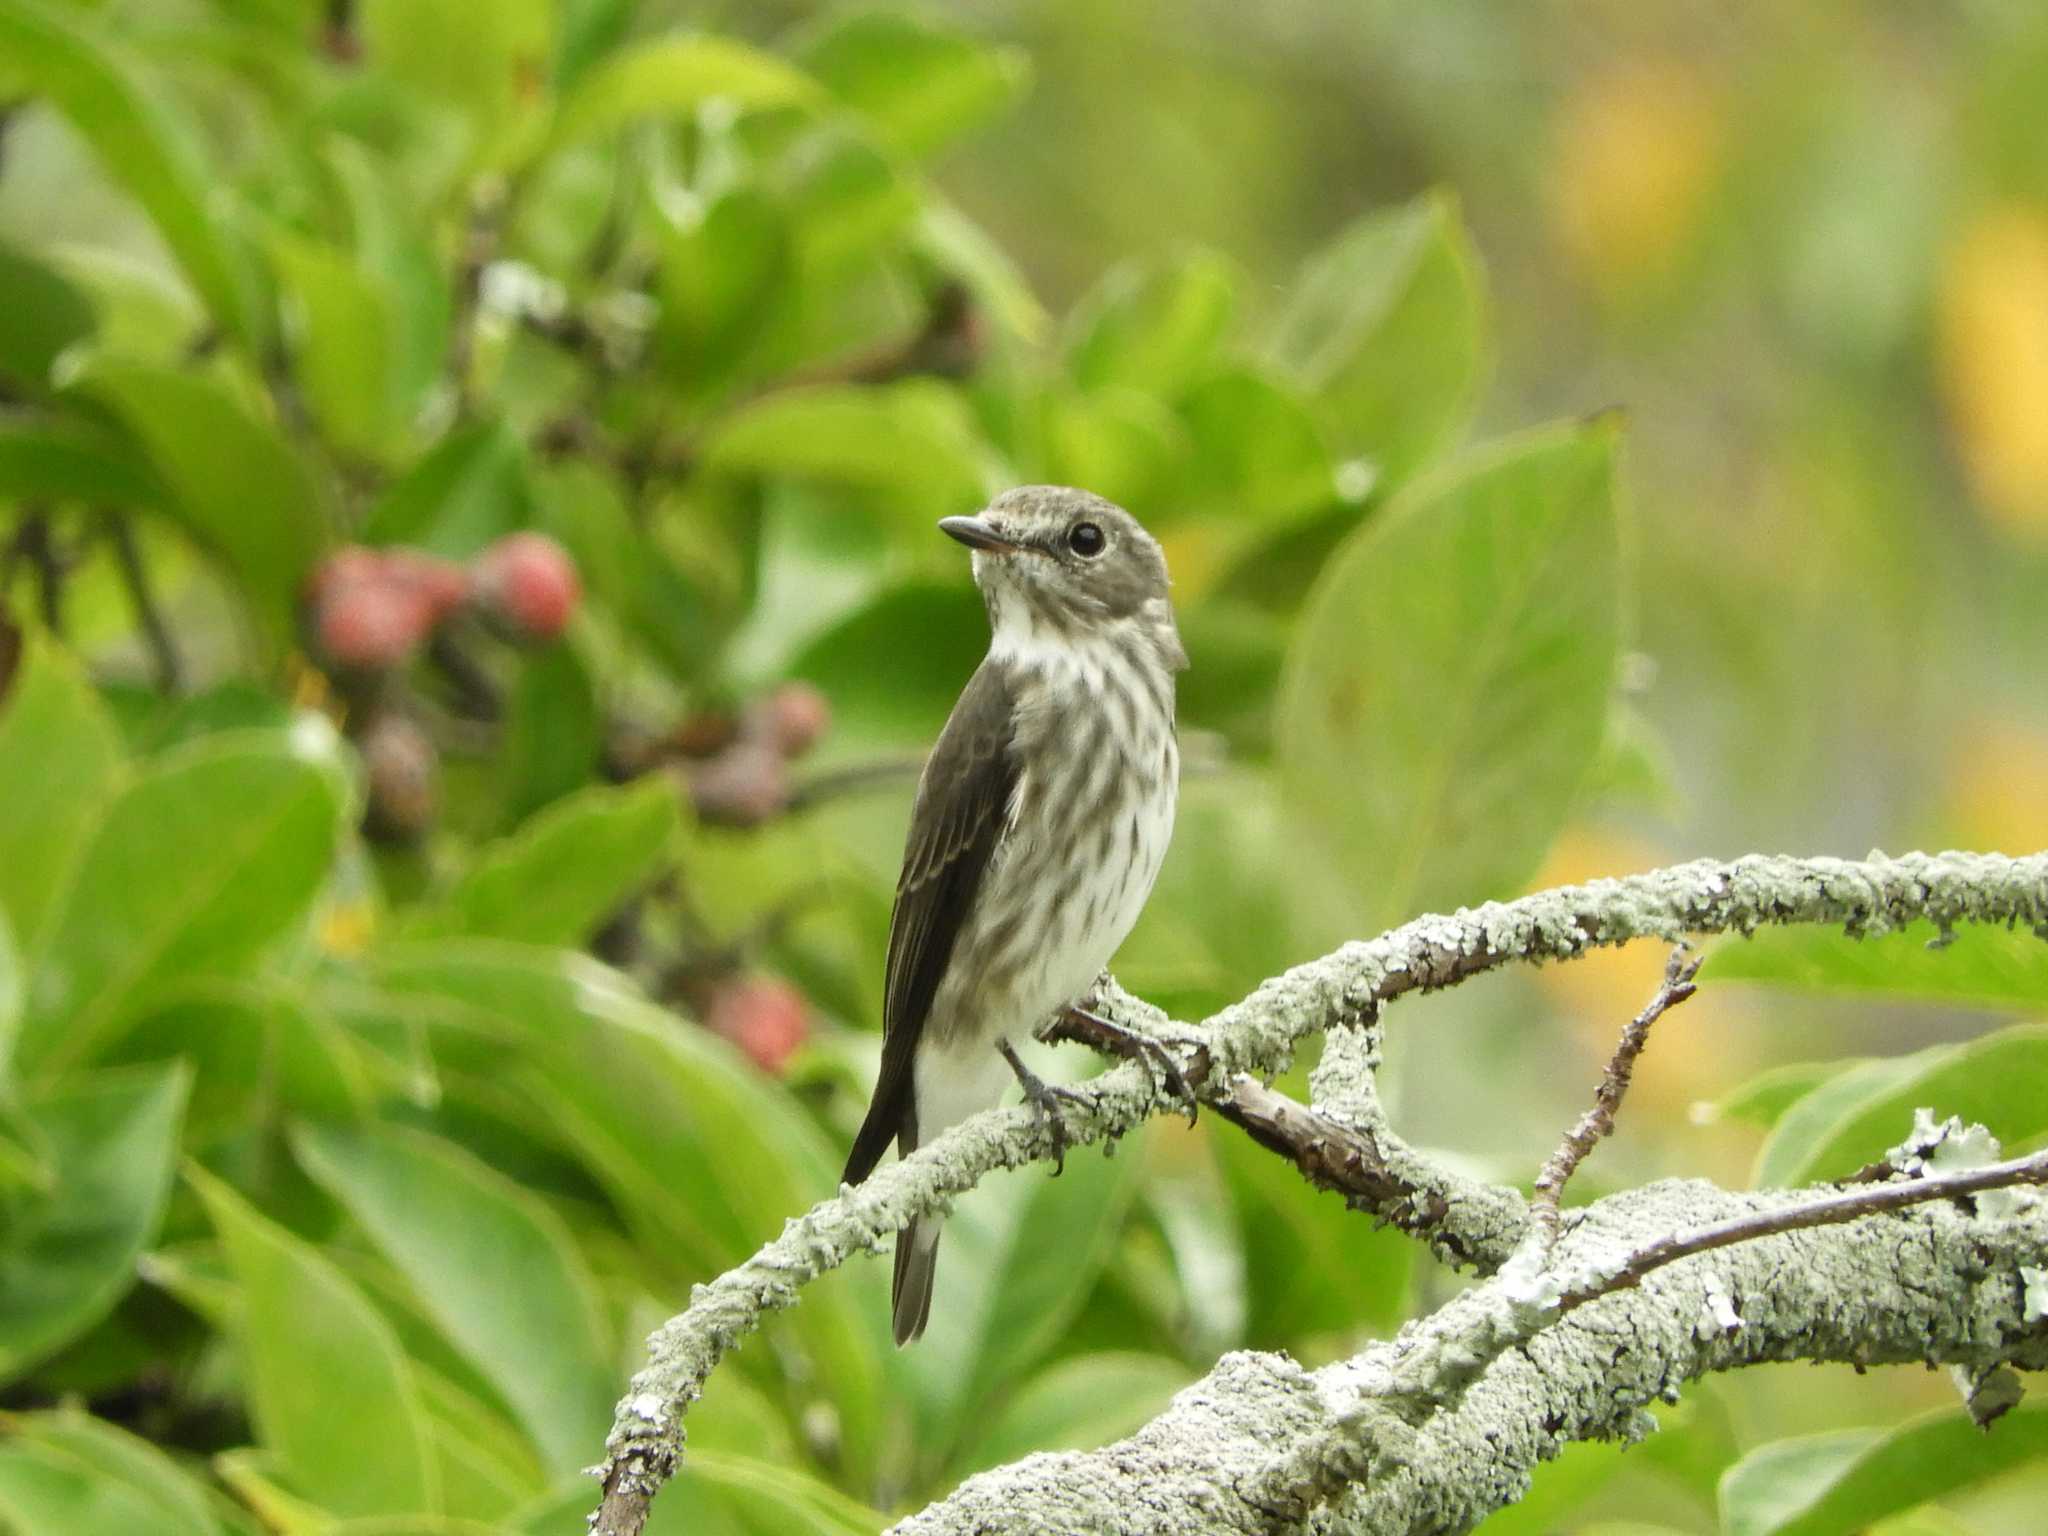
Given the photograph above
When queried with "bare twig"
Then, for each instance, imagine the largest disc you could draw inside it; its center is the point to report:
(163, 648)
(1597, 1123)
(851, 779)
(35, 545)
(480, 234)
(1829, 1210)
(475, 693)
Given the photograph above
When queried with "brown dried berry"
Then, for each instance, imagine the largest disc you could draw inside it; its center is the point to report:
(743, 786)
(796, 715)
(404, 774)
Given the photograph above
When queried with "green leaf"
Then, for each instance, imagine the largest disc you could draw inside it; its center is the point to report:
(934, 634)
(11, 990)
(235, 481)
(332, 1393)
(771, 1500)
(495, 1268)
(59, 53)
(1259, 455)
(1017, 1264)
(175, 1502)
(916, 439)
(1999, 1080)
(1385, 330)
(1237, 653)
(1840, 1483)
(565, 871)
(1078, 1405)
(1447, 690)
(717, 1493)
(1120, 442)
(221, 1031)
(702, 1154)
(1763, 1099)
(1155, 328)
(725, 287)
(196, 867)
(553, 732)
(57, 458)
(44, 315)
(343, 336)
(957, 244)
(45, 1491)
(489, 62)
(921, 85)
(237, 705)
(675, 75)
(467, 490)
(68, 1252)
(851, 206)
(60, 758)
(1809, 1119)
(1980, 966)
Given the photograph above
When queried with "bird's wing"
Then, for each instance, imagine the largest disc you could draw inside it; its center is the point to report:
(962, 801)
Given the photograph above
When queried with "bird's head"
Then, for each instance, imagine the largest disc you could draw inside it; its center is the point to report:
(1062, 564)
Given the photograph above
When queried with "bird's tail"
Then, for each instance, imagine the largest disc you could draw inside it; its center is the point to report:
(917, 1259)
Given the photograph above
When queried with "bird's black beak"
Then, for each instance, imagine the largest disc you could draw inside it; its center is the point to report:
(976, 534)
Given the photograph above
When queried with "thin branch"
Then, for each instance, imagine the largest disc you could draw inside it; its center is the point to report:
(1386, 1182)
(479, 248)
(163, 648)
(35, 544)
(1597, 1123)
(475, 693)
(1830, 1210)
(1258, 1036)
(851, 779)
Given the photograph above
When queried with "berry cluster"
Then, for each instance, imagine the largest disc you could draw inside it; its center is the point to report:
(370, 610)
(738, 765)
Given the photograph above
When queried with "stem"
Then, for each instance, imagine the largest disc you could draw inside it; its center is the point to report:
(163, 648)
(1597, 1123)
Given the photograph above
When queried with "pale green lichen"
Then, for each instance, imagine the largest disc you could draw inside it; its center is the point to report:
(1477, 1455)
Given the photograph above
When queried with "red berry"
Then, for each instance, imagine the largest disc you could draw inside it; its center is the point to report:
(350, 564)
(528, 582)
(373, 607)
(796, 715)
(743, 786)
(764, 1016)
(373, 624)
(441, 584)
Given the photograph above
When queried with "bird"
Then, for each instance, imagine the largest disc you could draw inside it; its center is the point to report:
(1039, 825)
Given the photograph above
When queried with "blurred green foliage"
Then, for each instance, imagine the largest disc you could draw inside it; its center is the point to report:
(388, 1046)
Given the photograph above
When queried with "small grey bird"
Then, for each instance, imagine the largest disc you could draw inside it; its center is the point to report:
(1040, 824)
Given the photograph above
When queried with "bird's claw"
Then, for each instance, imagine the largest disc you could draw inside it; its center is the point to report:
(1047, 1099)
(1083, 1025)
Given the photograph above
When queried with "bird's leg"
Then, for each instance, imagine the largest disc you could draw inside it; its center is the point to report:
(1084, 1026)
(1047, 1099)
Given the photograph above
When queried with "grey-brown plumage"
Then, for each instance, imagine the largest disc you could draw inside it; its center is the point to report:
(1040, 822)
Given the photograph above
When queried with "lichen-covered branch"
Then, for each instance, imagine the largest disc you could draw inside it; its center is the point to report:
(1257, 1037)
(1435, 1429)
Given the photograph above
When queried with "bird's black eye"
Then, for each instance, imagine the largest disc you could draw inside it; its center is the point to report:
(1086, 540)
